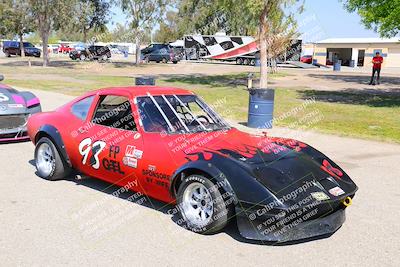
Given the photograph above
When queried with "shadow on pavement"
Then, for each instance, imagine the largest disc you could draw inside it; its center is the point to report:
(170, 210)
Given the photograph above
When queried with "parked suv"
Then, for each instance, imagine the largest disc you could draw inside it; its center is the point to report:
(162, 55)
(13, 48)
(154, 47)
(92, 52)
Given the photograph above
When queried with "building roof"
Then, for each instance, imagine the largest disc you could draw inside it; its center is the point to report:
(359, 40)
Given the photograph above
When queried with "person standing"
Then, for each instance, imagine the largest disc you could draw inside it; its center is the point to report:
(377, 61)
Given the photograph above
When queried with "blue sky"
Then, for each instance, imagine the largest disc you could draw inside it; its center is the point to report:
(321, 19)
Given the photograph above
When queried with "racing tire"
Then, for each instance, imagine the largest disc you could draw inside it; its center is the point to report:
(201, 205)
(49, 164)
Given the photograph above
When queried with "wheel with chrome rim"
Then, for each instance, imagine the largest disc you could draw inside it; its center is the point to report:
(197, 204)
(49, 164)
(45, 161)
(201, 205)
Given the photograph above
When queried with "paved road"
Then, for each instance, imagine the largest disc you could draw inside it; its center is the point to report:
(65, 222)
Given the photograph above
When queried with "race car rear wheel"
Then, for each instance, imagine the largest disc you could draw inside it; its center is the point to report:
(201, 205)
(49, 164)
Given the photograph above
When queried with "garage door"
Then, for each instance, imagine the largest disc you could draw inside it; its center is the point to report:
(393, 59)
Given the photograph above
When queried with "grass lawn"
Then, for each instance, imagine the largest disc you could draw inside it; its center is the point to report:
(348, 114)
(351, 114)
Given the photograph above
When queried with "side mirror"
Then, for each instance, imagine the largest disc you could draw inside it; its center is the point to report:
(1, 77)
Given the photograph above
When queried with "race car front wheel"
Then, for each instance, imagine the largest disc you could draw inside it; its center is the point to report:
(201, 205)
(49, 164)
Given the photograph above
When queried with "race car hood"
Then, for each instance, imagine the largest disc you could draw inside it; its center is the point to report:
(12, 102)
(281, 165)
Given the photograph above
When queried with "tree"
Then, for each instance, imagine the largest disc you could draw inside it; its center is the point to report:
(383, 16)
(91, 14)
(271, 21)
(200, 16)
(273, 17)
(143, 14)
(16, 20)
(282, 30)
(50, 15)
(168, 31)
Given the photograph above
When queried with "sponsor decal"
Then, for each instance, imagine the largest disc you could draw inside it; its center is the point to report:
(137, 153)
(154, 174)
(113, 151)
(131, 151)
(336, 191)
(152, 168)
(130, 162)
(3, 97)
(111, 164)
(320, 196)
(15, 105)
(86, 147)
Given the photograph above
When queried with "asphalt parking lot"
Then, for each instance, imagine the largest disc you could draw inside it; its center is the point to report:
(82, 223)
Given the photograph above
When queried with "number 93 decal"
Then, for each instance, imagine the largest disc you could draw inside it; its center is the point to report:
(86, 146)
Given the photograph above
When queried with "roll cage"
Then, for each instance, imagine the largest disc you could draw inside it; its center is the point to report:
(177, 114)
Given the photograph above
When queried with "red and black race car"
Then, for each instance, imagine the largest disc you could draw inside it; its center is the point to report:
(167, 143)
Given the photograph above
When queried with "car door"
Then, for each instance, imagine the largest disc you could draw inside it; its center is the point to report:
(159, 159)
(109, 147)
(153, 55)
(14, 48)
(91, 52)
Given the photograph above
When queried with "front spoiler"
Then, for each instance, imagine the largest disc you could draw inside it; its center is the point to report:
(11, 135)
(323, 226)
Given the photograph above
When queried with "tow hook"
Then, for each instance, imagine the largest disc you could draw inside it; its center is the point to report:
(347, 201)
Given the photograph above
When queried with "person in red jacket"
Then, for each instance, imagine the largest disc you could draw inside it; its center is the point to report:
(377, 61)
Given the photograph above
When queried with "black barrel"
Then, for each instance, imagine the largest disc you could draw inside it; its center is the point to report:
(145, 81)
(261, 108)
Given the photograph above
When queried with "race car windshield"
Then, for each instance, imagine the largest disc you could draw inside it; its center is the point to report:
(178, 114)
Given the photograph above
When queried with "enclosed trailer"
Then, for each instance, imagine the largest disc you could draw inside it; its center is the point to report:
(241, 49)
